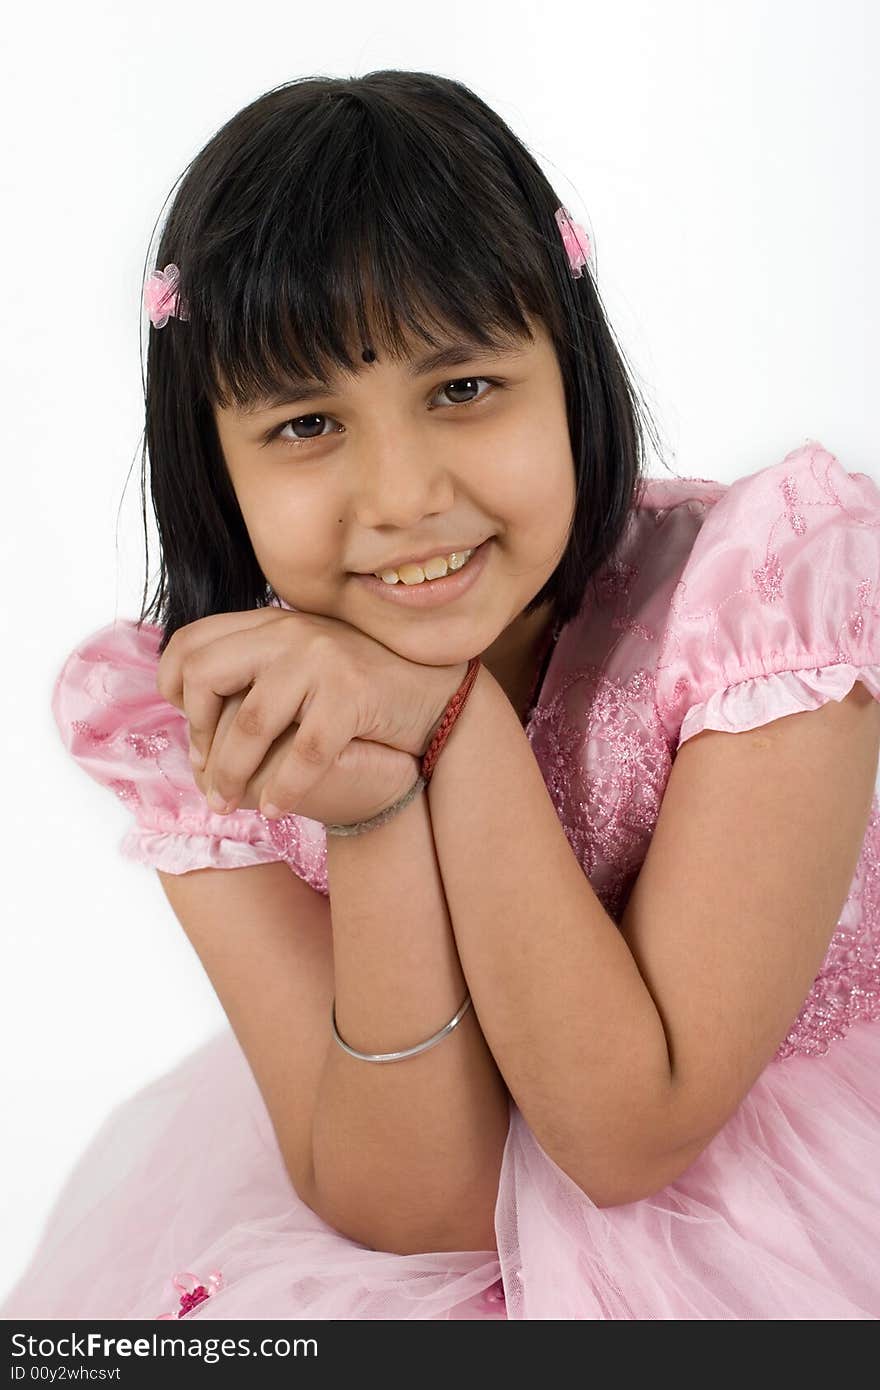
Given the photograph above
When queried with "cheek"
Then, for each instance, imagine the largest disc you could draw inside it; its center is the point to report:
(533, 491)
(530, 470)
(289, 535)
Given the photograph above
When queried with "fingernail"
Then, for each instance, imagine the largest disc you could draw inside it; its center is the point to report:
(270, 811)
(217, 803)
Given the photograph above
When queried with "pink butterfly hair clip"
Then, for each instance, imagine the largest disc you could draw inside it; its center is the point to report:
(162, 299)
(194, 1292)
(575, 241)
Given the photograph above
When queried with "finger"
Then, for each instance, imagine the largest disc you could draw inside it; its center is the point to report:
(265, 713)
(319, 740)
(193, 636)
(203, 709)
(226, 666)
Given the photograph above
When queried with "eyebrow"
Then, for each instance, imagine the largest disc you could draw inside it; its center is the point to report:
(452, 355)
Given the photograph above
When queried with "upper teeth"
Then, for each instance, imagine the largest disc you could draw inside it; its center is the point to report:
(431, 569)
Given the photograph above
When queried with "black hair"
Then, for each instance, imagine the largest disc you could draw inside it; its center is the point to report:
(336, 210)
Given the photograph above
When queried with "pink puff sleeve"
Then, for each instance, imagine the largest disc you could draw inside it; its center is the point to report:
(777, 608)
(127, 737)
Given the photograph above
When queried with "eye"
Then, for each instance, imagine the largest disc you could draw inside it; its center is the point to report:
(467, 380)
(295, 442)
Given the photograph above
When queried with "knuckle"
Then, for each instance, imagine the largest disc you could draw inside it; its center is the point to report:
(322, 648)
(250, 720)
(195, 663)
(310, 748)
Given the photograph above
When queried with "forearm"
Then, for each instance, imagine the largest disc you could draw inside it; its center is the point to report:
(406, 1154)
(564, 1009)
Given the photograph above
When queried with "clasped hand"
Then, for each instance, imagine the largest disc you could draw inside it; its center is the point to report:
(301, 713)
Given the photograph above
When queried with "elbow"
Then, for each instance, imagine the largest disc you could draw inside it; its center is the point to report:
(448, 1238)
(619, 1192)
(622, 1194)
(642, 1156)
(620, 1183)
(461, 1227)
(418, 1239)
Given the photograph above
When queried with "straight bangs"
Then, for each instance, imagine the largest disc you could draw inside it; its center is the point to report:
(367, 240)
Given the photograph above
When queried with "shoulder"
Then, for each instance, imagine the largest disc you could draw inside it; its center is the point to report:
(725, 606)
(780, 580)
(661, 494)
(808, 486)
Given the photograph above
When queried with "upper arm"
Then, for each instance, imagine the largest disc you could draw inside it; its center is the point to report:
(264, 938)
(748, 869)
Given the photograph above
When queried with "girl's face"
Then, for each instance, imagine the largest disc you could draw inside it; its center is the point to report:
(394, 462)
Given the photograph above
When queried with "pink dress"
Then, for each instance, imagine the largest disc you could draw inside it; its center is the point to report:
(724, 607)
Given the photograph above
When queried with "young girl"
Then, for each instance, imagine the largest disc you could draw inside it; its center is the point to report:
(531, 842)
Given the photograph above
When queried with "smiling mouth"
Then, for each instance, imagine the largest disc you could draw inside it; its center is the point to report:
(453, 558)
(412, 574)
(424, 591)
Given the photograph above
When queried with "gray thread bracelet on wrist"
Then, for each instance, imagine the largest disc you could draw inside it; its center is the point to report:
(407, 1052)
(359, 827)
(438, 737)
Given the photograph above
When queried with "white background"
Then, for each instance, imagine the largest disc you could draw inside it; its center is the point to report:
(723, 157)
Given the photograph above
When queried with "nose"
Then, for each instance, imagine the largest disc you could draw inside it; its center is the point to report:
(399, 481)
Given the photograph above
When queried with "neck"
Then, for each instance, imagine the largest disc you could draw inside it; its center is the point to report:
(514, 657)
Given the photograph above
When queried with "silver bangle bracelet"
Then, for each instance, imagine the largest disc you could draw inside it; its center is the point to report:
(407, 1052)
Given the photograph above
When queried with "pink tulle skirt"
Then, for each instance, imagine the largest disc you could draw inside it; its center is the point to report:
(778, 1218)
